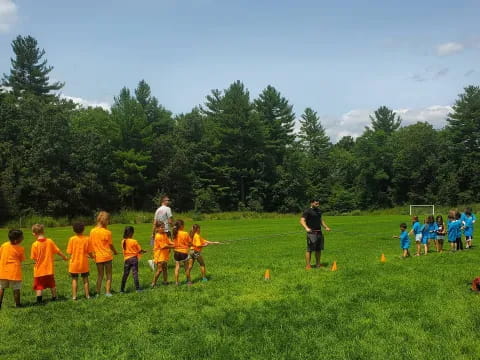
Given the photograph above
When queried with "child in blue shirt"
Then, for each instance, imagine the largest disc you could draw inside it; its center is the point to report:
(441, 231)
(425, 236)
(459, 241)
(432, 228)
(404, 240)
(417, 231)
(468, 219)
(453, 227)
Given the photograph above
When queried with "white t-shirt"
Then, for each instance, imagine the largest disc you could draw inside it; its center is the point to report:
(163, 214)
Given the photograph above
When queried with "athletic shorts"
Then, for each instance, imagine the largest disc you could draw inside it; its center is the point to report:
(440, 237)
(195, 254)
(181, 257)
(405, 245)
(315, 241)
(104, 262)
(468, 238)
(425, 240)
(44, 282)
(418, 237)
(14, 284)
(83, 275)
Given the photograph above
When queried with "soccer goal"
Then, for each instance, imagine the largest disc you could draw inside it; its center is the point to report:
(422, 210)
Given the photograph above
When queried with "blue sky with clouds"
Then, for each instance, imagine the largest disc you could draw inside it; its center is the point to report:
(343, 59)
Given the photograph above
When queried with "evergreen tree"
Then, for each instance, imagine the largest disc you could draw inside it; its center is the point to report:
(29, 70)
(385, 120)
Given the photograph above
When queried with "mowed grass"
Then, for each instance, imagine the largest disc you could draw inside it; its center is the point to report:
(420, 307)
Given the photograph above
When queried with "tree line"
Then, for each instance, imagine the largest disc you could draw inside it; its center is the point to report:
(234, 152)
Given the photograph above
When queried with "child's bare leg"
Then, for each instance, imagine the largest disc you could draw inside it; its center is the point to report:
(108, 283)
(418, 248)
(54, 293)
(157, 273)
(177, 270)
(308, 256)
(86, 287)
(425, 248)
(203, 270)
(440, 245)
(165, 272)
(187, 270)
(101, 271)
(16, 297)
(74, 288)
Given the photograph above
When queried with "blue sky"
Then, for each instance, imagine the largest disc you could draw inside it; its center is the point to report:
(343, 59)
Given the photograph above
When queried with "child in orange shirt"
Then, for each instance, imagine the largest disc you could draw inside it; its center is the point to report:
(11, 257)
(80, 250)
(42, 252)
(103, 249)
(198, 243)
(161, 251)
(131, 253)
(182, 243)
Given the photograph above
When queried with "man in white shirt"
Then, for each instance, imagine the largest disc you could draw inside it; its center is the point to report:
(163, 214)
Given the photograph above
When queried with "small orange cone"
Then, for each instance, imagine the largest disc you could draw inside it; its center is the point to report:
(334, 266)
(267, 274)
(383, 259)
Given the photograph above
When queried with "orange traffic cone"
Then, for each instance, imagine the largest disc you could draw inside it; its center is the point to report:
(267, 274)
(383, 259)
(334, 266)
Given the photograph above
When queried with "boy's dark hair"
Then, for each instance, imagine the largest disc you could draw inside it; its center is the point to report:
(468, 211)
(403, 226)
(415, 218)
(15, 236)
(314, 200)
(430, 219)
(457, 215)
(78, 228)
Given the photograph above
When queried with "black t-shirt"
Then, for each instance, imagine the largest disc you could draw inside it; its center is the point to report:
(313, 218)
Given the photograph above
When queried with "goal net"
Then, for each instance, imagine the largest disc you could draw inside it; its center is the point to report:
(422, 210)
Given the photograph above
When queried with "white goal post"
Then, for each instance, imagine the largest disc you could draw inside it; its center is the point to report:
(426, 209)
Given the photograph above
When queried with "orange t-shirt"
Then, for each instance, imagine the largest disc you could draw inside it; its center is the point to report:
(100, 240)
(78, 247)
(161, 248)
(182, 242)
(131, 248)
(198, 242)
(11, 257)
(42, 252)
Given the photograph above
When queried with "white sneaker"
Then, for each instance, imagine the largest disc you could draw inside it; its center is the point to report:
(151, 263)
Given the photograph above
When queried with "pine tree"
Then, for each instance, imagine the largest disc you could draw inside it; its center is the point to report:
(385, 120)
(29, 71)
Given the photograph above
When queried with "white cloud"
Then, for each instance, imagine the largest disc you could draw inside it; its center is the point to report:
(8, 15)
(353, 123)
(449, 48)
(86, 103)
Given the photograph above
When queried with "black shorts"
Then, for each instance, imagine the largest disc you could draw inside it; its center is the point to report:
(181, 257)
(315, 241)
(83, 275)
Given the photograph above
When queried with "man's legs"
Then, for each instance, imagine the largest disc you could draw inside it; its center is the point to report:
(308, 256)
(317, 258)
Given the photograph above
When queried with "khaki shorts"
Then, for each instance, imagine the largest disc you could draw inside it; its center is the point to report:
(14, 284)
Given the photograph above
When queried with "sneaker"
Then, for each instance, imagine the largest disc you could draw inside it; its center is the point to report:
(165, 283)
(74, 299)
(109, 294)
(189, 283)
(318, 266)
(205, 279)
(151, 263)
(152, 286)
(308, 267)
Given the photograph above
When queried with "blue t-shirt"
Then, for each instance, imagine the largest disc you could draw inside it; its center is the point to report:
(468, 223)
(453, 229)
(404, 240)
(417, 228)
(432, 230)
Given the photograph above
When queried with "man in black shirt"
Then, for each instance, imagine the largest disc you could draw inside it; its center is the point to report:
(312, 222)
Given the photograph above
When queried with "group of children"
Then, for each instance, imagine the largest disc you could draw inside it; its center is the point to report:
(187, 248)
(435, 231)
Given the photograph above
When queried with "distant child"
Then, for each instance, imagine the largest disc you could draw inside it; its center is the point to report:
(404, 240)
(103, 249)
(11, 257)
(80, 250)
(459, 241)
(131, 253)
(441, 231)
(161, 253)
(182, 243)
(42, 252)
(468, 219)
(432, 231)
(198, 243)
(453, 226)
(417, 231)
(425, 235)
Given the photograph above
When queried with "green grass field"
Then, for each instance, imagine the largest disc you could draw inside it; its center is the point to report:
(420, 307)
